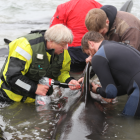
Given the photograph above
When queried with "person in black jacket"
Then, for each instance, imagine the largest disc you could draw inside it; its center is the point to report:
(117, 67)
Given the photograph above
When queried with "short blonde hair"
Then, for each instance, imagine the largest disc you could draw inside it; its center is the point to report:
(95, 19)
(59, 33)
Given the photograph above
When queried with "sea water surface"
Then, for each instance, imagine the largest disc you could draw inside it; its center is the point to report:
(26, 121)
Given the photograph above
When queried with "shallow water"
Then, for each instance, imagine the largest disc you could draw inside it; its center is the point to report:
(29, 122)
(25, 121)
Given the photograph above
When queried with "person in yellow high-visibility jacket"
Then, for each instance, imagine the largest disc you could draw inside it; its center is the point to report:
(32, 57)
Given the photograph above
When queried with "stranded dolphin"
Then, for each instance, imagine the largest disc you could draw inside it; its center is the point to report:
(76, 117)
(84, 119)
(127, 6)
(4, 52)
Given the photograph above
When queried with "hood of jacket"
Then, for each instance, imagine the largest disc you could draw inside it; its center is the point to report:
(111, 13)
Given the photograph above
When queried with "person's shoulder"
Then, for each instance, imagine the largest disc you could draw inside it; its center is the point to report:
(108, 7)
(62, 5)
(66, 57)
(127, 17)
(66, 52)
(125, 14)
(68, 5)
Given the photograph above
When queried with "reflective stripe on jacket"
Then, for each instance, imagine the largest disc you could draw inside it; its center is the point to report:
(14, 81)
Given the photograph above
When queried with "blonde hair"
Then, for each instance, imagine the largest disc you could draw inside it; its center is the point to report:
(95, 19)
(59, 33)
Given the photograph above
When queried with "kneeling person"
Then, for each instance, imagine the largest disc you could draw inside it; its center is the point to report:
(32, 57)
(117, 67)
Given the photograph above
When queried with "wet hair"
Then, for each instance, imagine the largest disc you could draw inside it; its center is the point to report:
(95, 19)
(90, 36)
(59, 33)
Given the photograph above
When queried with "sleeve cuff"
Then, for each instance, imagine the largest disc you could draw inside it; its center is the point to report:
(69, 79)
(33, 89)
(100, 91)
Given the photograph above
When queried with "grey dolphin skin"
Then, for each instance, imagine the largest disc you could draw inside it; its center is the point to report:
(4, 52)
(79, 117)
(85, 118)
(127, 6)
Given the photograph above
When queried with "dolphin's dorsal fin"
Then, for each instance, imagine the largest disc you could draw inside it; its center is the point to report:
(127, 6)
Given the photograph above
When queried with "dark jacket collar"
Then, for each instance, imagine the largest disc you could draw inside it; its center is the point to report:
(111, 13)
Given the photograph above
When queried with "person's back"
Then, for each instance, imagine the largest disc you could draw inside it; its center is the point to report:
(125, 27)
(122, 57)
(118, 69)
(72, 14)
(122, 61)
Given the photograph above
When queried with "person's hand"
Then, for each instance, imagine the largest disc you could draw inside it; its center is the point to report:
(76, 83)
(94, 87)
(42, 89)
(81, 80)
(88, 59)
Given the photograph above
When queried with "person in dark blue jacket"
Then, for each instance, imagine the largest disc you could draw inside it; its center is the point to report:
(117, 66)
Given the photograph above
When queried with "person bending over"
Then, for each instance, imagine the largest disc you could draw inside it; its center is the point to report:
(32, 57)
(114, 25)
(117, 67)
